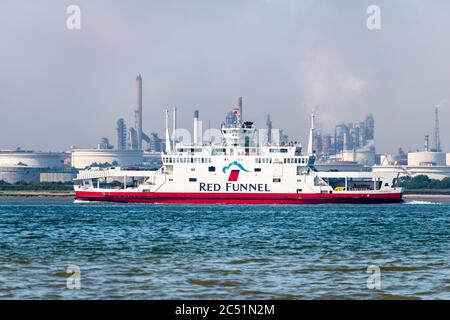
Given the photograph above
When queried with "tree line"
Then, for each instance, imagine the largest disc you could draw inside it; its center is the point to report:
(35, 186)
(424, 182)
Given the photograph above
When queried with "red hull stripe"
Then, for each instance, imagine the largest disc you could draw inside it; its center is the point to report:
(237, 198)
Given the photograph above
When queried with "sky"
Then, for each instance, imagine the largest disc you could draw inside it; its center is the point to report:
(61, 88)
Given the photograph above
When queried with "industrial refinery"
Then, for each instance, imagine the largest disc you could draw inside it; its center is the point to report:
(431, 161)
(349, 147)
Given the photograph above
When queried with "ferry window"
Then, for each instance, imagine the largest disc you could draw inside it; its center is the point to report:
(192, 169)
(212, 169)
(270, 160)
(192, 160)
(283, 150)
(276, 180)
(192, 179)
(257, 169)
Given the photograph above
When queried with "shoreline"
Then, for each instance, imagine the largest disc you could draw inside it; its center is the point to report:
(424, 195)
(17, 193)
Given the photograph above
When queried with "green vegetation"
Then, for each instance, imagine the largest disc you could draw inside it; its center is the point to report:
(33, 186)
(103, 165)
(423, 182)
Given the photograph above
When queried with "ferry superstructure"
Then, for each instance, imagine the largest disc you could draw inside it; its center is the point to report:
(236, 170)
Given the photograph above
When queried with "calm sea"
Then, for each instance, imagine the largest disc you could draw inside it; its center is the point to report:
(223, 251)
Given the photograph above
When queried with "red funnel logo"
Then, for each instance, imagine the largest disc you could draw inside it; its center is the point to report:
(234, 175)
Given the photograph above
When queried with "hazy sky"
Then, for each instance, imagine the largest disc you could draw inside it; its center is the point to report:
(61, 87)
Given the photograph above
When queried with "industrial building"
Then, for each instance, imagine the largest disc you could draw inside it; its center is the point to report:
(350, 143)
(14, 174)
(134, 137)
(57, 176)
(432, 161)
(121, 135)
(26, 166)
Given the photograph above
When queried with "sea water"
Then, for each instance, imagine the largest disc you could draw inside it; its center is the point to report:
(53, 248)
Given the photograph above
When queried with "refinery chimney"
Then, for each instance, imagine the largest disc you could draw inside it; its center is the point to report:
(427, 143)
(138, 112)
(437, 141)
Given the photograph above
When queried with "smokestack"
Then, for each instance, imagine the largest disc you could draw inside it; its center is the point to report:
(437, 141)
(240, 120)
(196, 127)
(168, 144)
(138, 112)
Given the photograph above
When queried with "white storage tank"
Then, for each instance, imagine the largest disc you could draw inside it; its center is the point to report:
(426, 158)
(364, 157)
(14, 174)
(82, 158)
(31, 159)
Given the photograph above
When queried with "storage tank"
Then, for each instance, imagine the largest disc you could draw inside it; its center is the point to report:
(426, 158)
(82, 158)
(32, 159)
(14, 174)
(364, 157)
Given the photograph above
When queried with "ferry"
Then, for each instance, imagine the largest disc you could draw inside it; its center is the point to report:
(236, 170)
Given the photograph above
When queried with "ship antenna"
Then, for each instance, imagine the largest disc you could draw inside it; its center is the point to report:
(311, 134)
(168, 144)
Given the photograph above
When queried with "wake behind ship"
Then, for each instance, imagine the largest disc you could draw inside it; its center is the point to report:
(236, 170)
